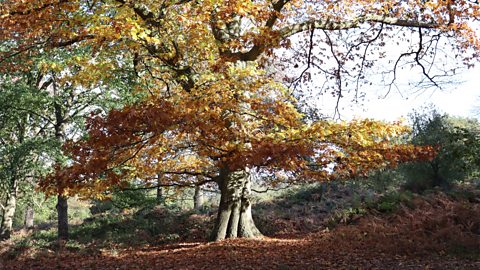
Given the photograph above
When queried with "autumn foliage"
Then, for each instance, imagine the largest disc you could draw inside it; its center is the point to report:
(225, 115)
(208, 103)
(158, 137)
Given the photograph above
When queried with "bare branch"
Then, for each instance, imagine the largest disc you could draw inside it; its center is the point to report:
(417, 59)
(362, 65)
(309, 62)
(337, 74)
(167, 185)
(395, 71)
(269, 189)
(187, 173)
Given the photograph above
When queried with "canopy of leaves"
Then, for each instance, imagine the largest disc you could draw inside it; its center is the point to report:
(24, 150)
(208, 102)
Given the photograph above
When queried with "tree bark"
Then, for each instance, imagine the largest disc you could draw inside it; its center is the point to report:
(198, 198)
(62, 210)
(160, 198)
(29, 216)
(160, 195)
(60, 136)
(235, 211)
(438, 180)
(6, 227)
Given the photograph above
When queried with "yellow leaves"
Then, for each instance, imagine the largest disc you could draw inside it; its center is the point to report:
(295, 4)
(50, 66)
(236, 113)
(139, 33)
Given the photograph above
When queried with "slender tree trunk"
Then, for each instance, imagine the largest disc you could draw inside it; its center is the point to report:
(438, 180)
(235, 211)
(159, 194)
(60, 136)
(29, 212)
(160, 198)
(29, 216)
(62, 210)
(6, 227)
(198, 198)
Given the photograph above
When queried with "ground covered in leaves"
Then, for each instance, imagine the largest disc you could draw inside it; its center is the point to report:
(437, 231)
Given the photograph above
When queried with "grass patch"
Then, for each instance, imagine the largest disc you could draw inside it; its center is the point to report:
(390, 202)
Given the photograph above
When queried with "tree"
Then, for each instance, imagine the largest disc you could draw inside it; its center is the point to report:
(457, 159)
(209, 107)
(52, 109)
(21, 144)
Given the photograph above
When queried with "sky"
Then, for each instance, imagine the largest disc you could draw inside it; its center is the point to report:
(459, 99)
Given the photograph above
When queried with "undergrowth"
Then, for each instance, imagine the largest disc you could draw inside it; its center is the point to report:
(435, 221)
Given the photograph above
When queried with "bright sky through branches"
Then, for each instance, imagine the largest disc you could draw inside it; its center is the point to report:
(458, 99)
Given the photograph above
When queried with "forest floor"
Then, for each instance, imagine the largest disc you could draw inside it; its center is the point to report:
(437, 231)
(313, 251)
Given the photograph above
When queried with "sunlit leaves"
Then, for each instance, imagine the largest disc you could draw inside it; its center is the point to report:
(206, 97)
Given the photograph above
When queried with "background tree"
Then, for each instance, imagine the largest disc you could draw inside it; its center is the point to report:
(23, 144)
(75, 99)
(210, 109)
(45, 106)
(456, 141)
(457, 158)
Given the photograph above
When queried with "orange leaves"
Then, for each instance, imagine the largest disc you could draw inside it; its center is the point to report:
(240, 120)
(204, 107)
(355, 148)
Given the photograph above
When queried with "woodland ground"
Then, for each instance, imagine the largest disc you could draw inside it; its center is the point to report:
(306, 231)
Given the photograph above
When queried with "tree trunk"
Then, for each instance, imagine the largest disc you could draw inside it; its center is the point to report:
(60, 131)
(160, 198)
(62, 210)
(6, 227)
(438, 180)
(198, 198)
(160, 195)
(235, 211)
(29, 215)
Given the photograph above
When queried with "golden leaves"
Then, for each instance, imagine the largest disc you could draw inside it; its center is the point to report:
(233, 114)
(239, 118)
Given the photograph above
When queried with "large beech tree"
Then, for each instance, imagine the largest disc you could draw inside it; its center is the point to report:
(212, 109)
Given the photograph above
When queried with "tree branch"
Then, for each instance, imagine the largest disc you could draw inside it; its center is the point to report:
(29, 11)
(148, 16)
(295, 82)
(188, 173)
(417, 59)
(331, 25)
(68, 42)
(269, 189)
(166, 185)
(327, 25)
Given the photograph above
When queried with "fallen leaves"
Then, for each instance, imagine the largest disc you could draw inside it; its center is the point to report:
(436, 231)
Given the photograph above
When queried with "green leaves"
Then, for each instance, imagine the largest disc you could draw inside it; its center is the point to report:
(458, 144)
